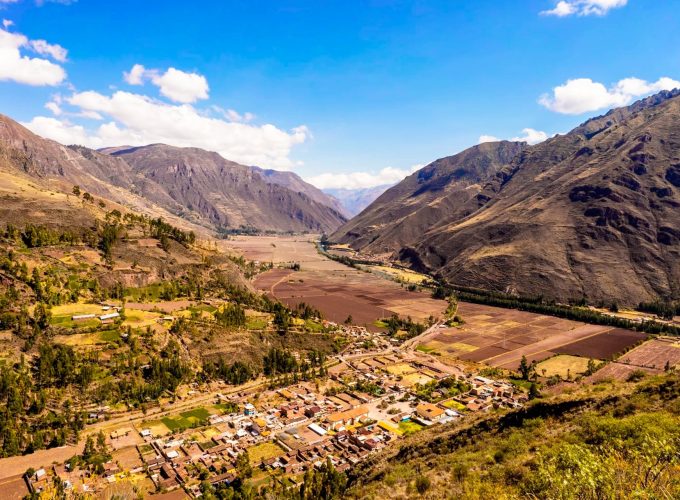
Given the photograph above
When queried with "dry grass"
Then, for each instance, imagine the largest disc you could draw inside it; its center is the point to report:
(563, 365)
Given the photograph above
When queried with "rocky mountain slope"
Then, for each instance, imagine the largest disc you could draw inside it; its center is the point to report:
(294, 182)
(203, 184)
(403, 213)
(594, 213)
(179, 183)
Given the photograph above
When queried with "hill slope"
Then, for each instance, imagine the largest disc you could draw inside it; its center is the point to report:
(438, 191)
(594, 213)
(224, 193)
(616, 442)
(197, 185)
(294, 182)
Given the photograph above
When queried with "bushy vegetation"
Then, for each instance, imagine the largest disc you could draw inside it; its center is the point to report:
(612, 446)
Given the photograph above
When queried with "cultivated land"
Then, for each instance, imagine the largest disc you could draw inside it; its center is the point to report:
(651, 357)
(377, 390)
(500, 337)
(335, 289)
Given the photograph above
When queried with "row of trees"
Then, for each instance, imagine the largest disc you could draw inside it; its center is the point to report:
(576, 313)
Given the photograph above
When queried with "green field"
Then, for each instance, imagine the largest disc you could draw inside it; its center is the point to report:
(186, 419)
(409, 427)
(257, 322)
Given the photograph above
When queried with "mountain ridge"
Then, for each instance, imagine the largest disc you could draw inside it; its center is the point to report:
(593, 213)
(240, 197)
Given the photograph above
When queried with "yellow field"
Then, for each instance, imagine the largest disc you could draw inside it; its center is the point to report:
(390, 428)
(562, 365)
(263, 451)
(156, 427)
(402, 275)
(75, 309)
(400, 369)
(415, 378)
(137, 318)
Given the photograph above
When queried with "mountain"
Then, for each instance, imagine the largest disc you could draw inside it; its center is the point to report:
(198, 186)
(355, 200)
(594, 213)
(294, 182)
(34, 163)
(406, 211)
(203, 184)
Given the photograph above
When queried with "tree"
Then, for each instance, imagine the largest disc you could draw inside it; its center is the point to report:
(165, 242)
(349, 320)
(525, 368)
(42, 316)
(282, 319)
(533, 391)
(245, 470)
(76, 190)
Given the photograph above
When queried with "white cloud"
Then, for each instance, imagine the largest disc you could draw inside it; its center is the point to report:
(61, 131)
(488, 138)
(358, 180)
(56, 52)
(565, 8)
(582, 94)
(233, 115)
(54, 108)
(174, 84)
(529, 135)
(29, 70)
(136, 75)
(7, 23)
(139, 120)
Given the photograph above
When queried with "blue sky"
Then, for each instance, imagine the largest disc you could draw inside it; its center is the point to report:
(345, 93)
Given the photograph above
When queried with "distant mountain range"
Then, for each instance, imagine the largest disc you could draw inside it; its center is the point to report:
(199, 186)
(355, 200)
(594, 213)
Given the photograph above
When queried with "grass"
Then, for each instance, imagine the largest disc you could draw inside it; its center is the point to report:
(313, 326)
(137, 318)
(257, 322)
(263, 451)
(424, 348)
(186, 419)
(89, 339)
(61, 315)
(563, 365)
(407, 427)
(454, 405)
(226, 407)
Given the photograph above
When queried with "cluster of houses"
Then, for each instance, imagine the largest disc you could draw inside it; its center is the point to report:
(368, 402)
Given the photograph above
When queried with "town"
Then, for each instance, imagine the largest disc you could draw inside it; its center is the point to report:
(367, 401)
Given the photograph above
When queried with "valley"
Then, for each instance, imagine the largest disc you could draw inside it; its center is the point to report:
(356, 363)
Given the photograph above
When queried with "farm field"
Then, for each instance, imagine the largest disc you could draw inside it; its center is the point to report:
(650, 357)
(500, 337)
(563, 365)
(333, 288)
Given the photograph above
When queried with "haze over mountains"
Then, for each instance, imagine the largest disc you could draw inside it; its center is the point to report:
(594, 213)
(199, 186)
(355, 200)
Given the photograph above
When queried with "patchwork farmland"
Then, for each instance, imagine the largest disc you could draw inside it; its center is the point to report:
(651, 357)
(500, 337)
(333, 288)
